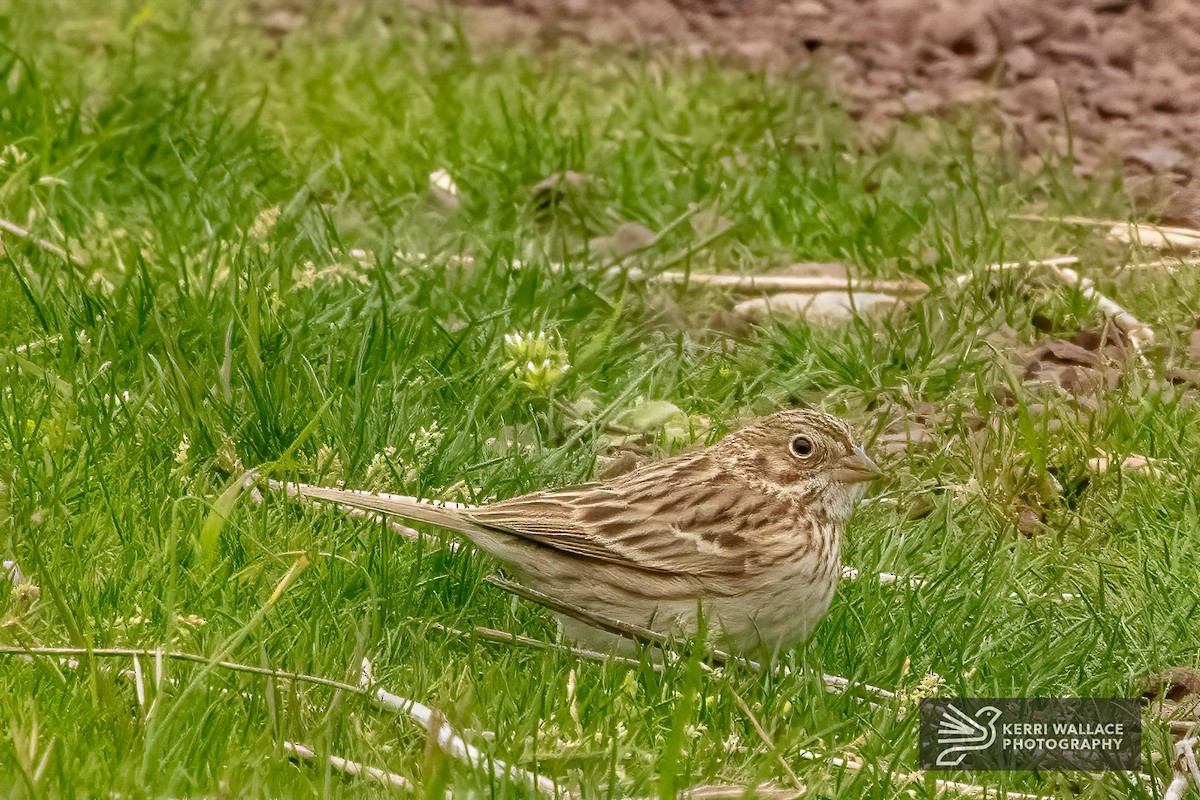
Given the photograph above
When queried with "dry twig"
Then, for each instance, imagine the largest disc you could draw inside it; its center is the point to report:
(792, 283)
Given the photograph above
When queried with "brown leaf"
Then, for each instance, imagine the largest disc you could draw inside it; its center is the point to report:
(1174, 695)
(1183, 377)
(1059, 351)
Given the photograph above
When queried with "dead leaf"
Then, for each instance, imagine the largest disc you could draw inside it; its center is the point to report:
(1087, 363)
(1059, 351)
(1174, 695)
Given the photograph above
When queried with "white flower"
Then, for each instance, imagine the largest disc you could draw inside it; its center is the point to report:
(181, 452)
(545, 362)
(441, 179)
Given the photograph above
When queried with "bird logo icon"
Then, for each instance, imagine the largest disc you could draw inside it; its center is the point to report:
(960, 734)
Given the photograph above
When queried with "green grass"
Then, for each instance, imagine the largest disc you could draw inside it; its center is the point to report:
(152, 138)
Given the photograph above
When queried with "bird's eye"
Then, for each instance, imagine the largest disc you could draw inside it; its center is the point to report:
(802, 446)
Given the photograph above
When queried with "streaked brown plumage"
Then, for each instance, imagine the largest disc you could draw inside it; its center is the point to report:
(749, 528)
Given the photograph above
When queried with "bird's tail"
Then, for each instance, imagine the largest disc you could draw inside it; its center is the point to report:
(410, 508)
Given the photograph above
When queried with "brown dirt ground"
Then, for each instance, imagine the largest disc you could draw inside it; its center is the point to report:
(1126, 73)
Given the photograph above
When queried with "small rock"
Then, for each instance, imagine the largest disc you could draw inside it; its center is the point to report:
(443, 189)
(826, 309)
(919, 101)
(629, 237)
(1119, 48)
(1075, 26)
(1182, 377)
(1116, 101)
(1039, 96)
(1174, 694)
(656, 20)
(1183, 207)
(282, 21)
(1029, 521)
(762, 54)
(1157, 157)
(957, 28)
(913, 436)
(1021, 62)
(1079, 380)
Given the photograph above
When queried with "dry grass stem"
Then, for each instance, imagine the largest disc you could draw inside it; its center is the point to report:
(943, 786)
(348, 767)
(1144, 233)
(1166, 264)
(766, 738)
(764, 791)
(502, 637)
(447, 738)
(1140, 334)
(1007, 266)
(793, 283)
(833, 683)
(18, 231)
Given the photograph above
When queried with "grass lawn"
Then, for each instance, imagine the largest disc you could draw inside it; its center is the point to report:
(261, 276)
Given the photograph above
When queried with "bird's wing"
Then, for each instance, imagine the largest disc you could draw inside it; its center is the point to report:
(652, 520)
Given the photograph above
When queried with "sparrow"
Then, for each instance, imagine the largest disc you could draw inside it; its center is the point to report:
(745, 533)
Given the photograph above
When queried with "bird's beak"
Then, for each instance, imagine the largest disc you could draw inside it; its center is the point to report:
(856, 467)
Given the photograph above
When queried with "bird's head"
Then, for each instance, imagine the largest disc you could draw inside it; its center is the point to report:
(803, 454)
